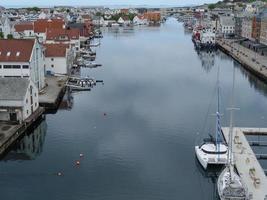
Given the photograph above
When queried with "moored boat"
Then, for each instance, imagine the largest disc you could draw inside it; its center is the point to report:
(213, 151)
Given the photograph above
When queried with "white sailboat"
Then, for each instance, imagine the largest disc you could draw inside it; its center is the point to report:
(213, 151)
(230, 185)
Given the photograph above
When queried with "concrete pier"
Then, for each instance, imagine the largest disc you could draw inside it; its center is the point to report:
(10, 132)
(246, 162)
(51, 95)
(252, 61)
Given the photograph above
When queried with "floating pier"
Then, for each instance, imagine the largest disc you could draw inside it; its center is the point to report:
(246, 162)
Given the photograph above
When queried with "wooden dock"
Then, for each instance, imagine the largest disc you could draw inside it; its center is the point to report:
(247, 165)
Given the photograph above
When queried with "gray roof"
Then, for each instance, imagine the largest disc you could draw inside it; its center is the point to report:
(227, 21)
(13, 88)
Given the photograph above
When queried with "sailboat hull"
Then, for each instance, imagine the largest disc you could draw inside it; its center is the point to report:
(231, 190)
(208, 155)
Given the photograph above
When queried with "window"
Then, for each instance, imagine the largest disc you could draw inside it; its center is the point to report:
(52, 66)
(52, 59)
(0, 66)
(35, 104)
(7, 66)
(35, 94)
(16, 66)
(27, 112)
(25, 66)
(26, 100)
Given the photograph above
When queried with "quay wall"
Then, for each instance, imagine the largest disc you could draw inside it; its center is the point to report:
(249, 60)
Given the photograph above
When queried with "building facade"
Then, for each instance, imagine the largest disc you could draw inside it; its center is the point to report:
(18, 99)
(263, 32)
(22, 58)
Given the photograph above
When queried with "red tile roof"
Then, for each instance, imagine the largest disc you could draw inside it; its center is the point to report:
(55, 50)
(16, 50)
(62, 34)
(23, 26)
(41, 25)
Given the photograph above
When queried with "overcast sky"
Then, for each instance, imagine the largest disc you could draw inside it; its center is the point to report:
(101, 2)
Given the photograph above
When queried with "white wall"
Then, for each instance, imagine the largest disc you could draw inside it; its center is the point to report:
(59, 65)
(27, 104)
(14, 72)
(37, 66)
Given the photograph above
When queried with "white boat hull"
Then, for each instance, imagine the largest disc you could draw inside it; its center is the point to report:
(213, 158)
(233, 191)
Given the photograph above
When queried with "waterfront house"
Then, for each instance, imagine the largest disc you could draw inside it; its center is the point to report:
(139, 20)
(247, 27)
(263, 31)
(64, 36)
(85, 29)
(153, 17)
(58, 59)
(22, 58)
(256, 28)
(40, 27)
(23, 30)
(18, 99)
(227, 26)
(238, 25)
(124, 20)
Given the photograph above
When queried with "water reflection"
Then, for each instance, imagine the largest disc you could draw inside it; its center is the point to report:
(254, 81)
(31, 145)
(67, 101)
(207, 59)
(211, 175)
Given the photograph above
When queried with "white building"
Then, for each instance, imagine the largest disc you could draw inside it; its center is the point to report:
(124, 20)
(227, 25)
(139, 20)
(24, 30)
(5, 26)
(18, 99)
(22, 58)
(64, 36)
(58, 59)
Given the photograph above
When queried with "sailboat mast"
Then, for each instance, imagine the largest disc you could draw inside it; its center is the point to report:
(218, 127)
(230, 148)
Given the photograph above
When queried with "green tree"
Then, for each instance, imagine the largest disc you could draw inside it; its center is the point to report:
(1, 35)
(9, 36)
(35, 9)
(211, 6)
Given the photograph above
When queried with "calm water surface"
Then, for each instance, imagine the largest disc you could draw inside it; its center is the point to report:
(156, 98)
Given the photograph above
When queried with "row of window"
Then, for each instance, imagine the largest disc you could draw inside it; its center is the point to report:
(227, 27)
(16, 76)
(14, 66)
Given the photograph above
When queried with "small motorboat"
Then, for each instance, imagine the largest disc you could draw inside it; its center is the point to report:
(81, 84)
(92, 65)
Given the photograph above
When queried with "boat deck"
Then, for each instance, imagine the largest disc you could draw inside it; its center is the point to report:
(246, 162)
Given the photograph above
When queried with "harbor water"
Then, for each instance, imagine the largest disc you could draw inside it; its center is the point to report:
(137, 131)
